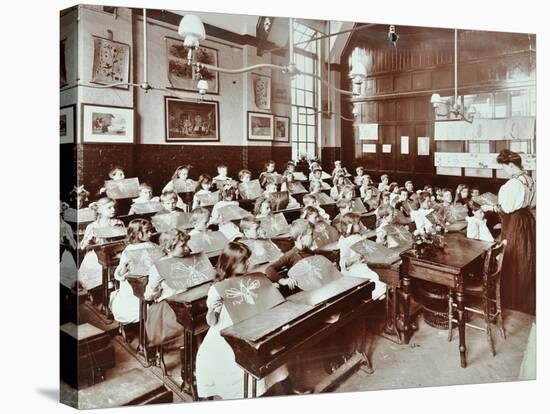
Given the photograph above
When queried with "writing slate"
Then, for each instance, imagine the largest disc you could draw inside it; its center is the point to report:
(83, 215)
(184, 185)
(121, 189)
(375, 253)
(141, 260)
(110, 232)
(263, 251)
(435, 218)
(278, 200)
(323, 234)
(299, 176)
(357, 206)
(313, 272)
(208, 199)
(222, 183)
(486, 199)
(147, 207)
(324, 199)
(174, 220)
(250, 190)
(248, 295)
(325, 186)
(328, 291)
(208, 241)
(398, 236)
(232, 213)
(274, 225)
(296, 188)
(182, 273)
(457, 212)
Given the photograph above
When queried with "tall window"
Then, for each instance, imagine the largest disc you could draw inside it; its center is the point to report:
(304, 91)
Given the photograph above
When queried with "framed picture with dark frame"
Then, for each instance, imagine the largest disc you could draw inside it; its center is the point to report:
(111, 63)
(67, 124)
(181, 76)
(189, 120)
(260, 126)
(281, 129)
(107, 124)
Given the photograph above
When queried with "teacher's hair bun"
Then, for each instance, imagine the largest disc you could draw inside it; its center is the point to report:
(509, 157)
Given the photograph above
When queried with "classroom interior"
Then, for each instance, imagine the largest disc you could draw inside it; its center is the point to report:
(429, 106)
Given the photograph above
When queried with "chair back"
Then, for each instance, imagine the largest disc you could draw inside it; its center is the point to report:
(493, 261)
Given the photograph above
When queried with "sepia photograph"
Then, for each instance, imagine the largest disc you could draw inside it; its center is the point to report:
(188, 120)
(260, 126)
(371, 227)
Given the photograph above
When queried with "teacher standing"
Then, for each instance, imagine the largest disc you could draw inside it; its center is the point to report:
(515, 200)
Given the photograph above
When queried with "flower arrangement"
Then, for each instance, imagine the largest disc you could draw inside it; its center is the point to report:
(424, 239)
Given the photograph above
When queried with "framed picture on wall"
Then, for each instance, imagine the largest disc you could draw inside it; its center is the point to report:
(281, 93)
(181, 76)
(261, 87)
(67, 124)
(260, 126)
(107, 124)
(191, 120)
(111, 64)
(281, 131)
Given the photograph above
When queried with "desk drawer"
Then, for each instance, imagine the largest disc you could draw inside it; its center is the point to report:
(417, 271)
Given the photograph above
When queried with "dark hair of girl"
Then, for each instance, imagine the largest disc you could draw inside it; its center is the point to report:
(233, 254)
(136, 228)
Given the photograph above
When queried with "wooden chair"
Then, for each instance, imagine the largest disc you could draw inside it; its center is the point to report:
(486, 289)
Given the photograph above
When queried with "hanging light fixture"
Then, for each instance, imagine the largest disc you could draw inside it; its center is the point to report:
(191, 31)
(453, 108)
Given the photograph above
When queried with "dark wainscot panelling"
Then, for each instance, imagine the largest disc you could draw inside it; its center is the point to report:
(155, 164)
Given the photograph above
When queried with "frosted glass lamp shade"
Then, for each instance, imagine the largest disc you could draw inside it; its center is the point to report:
(202, 86)
(192, 30)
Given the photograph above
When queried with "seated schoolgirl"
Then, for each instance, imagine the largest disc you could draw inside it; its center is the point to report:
(310, 200)
(477, 225)
(145, 195)
(351, 262)
(301, 231)
(124, 304)
(204, 185)
(218, 375)
(161, 324)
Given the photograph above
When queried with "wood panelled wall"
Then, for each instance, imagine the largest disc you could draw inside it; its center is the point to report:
(155, 164)
(402, 78)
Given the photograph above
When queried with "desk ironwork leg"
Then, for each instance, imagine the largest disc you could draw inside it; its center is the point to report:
(188, 364)
(461, 328)
(406, 309)
(395, 310)
(254, 387)
(245, 389)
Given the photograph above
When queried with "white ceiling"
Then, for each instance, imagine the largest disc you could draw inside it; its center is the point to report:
(237, 23)
(246, 25)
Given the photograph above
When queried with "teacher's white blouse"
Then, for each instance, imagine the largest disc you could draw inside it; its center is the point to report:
(518, 192)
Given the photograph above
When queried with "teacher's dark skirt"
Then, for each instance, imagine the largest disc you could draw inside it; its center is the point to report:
(519, 266)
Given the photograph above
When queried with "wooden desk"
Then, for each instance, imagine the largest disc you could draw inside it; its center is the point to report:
(270, 339)
(446, 267)
(190, 309)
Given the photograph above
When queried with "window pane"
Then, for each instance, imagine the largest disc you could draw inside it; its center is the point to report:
(302, 131)
(501, 104)
(309, 99)
(311, 134)
(294, 132)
